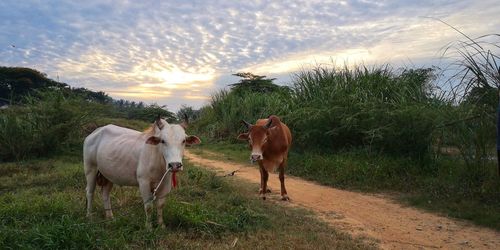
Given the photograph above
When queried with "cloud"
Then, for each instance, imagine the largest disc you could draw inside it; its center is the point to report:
(179, 52)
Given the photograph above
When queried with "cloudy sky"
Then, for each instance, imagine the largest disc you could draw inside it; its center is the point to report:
(179, 52)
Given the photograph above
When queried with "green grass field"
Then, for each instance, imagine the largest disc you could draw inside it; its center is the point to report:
(42, 205)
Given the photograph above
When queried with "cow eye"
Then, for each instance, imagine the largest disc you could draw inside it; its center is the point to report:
(163, 141)
(184, 141)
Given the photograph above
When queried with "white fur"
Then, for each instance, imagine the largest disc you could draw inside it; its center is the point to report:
(124, 158)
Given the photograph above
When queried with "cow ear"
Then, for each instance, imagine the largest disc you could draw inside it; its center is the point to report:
(153, 140)
(272, 121)
(243, 137)
(269, 123)
(192, 140)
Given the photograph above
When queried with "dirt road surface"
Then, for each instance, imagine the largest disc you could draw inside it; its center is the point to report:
(391, 224)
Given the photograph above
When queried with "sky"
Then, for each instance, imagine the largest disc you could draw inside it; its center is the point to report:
(180, 52)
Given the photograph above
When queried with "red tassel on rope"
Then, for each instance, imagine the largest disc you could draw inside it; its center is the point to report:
(174, 180)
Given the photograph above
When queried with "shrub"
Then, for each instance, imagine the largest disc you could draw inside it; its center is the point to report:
(49, 122)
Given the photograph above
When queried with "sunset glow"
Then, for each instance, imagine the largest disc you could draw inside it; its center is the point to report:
(177, 53)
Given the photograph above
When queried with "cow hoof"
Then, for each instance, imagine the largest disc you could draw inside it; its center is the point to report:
(109, 215)
(263, 197)
(267, 191)
(162, 226)
(285, 198)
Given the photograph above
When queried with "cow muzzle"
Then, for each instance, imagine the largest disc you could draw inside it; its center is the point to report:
(175, 166)
(255, 157)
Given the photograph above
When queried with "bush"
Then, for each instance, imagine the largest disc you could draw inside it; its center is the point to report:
(49, 122)
(471, 131)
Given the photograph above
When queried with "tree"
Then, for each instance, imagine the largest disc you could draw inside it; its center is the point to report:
(192, 114)
(254, 83)
(92, 96)
(16, 83)
(154, 110)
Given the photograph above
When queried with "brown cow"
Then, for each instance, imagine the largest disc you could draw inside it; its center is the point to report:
(270, 140)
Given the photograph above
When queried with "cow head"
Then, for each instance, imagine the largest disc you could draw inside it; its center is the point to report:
(171, 140)
(257, 136)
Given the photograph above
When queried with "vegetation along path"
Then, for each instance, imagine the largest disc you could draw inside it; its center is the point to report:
(378, 217)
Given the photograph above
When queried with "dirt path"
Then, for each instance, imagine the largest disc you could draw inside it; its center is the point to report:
(394, 226)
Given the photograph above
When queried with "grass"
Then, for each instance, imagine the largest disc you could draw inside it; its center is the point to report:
(42, 205)
(446, 186)
(332, 108)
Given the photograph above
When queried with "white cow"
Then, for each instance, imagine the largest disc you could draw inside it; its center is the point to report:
(122, 156)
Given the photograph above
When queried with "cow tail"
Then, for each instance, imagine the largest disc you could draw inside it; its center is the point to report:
(101, 180)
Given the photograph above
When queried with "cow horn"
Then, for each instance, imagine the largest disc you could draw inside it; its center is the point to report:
(158, 122)
(248, 125)
(185, 123)
(269, 123)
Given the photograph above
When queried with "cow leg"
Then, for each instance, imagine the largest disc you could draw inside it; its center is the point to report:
(261, 169)
(91, 176)
(165, 188)
(106, 201)
(147, 199)
(264, 176)
(284, 195)
(159, 211)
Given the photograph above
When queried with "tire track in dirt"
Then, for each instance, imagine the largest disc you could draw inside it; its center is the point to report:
(391, 224)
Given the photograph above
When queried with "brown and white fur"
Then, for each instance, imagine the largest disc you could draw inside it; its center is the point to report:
(270, 140)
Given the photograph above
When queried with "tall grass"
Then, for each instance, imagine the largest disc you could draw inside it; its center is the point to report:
(376, 108)
(329, 109)
(221, 119)
(475, 83)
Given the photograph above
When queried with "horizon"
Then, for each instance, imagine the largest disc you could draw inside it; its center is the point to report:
(179, 53)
